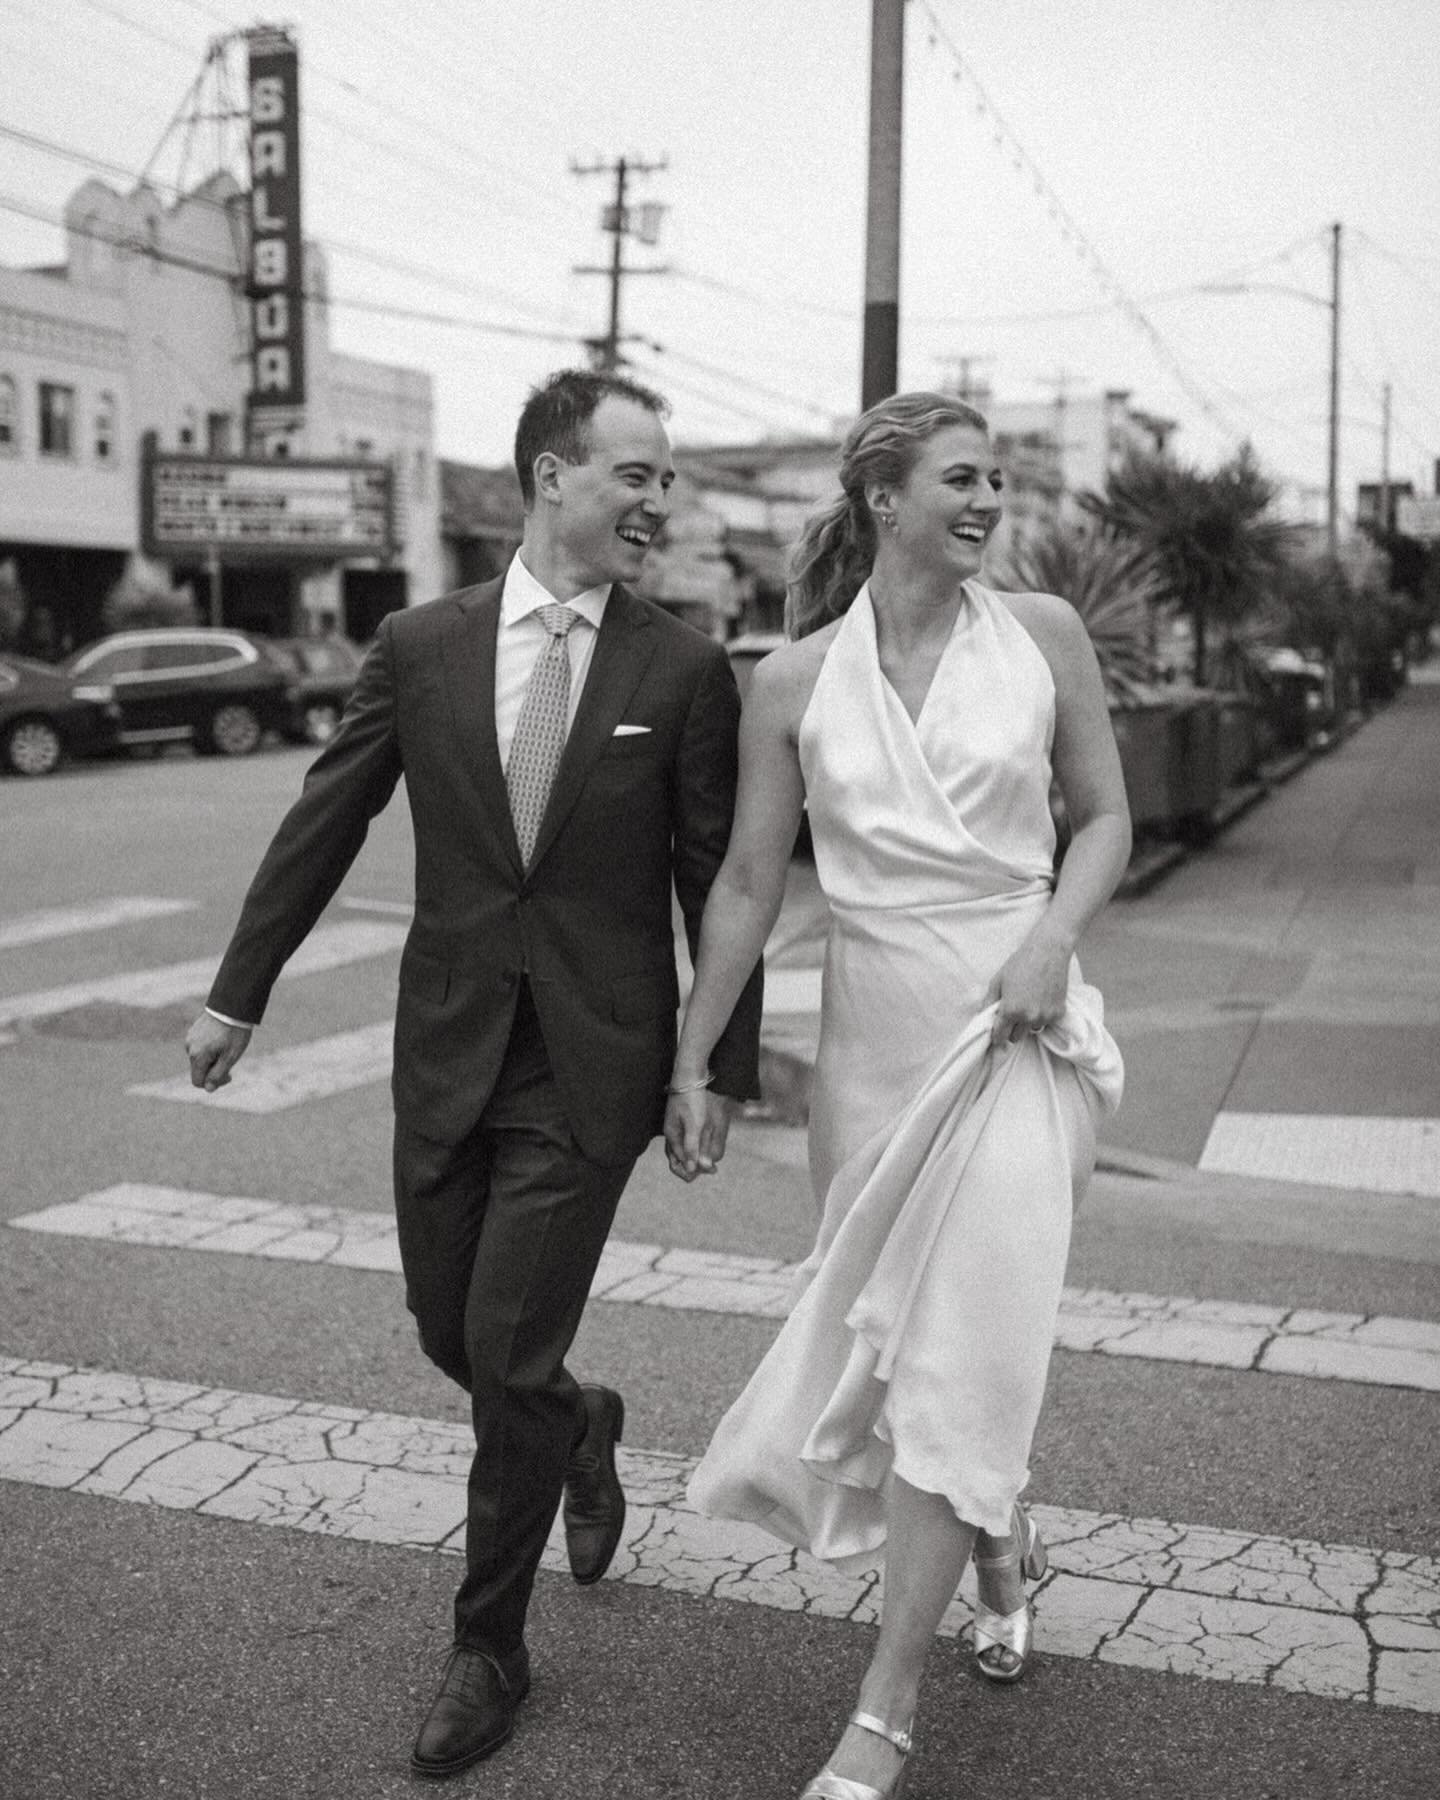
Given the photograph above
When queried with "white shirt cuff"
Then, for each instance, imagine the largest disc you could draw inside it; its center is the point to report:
(239, 1024)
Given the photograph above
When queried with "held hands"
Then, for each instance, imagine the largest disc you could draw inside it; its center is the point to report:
(1030, 989)
(214, 1048)
(696, 1126)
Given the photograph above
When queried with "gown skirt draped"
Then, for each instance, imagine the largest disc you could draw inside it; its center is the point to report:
(945, 1170)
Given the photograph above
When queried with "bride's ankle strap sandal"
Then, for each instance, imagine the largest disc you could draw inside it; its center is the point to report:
(828, 1786)
(997, 1634)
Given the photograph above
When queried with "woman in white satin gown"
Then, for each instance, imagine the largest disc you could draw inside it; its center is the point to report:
(963, 1062)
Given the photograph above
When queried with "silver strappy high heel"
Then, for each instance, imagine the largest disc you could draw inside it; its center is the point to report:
(998, 1632)
(829, 1786)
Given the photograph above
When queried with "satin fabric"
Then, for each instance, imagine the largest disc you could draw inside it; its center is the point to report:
(946, 1170)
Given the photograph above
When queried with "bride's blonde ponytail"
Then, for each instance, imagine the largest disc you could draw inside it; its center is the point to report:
(836, 550)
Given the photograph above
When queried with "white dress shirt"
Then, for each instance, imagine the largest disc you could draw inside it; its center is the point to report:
(522, 637)
(517, 649)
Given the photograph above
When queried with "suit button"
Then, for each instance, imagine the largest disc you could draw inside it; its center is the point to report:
(508, 978)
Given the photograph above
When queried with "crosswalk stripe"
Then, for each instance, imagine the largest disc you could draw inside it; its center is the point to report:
(1383, 1155)
(1277, 1340)
(69, 921)
(328, 947)
(1336, 1620)
(290, 1077)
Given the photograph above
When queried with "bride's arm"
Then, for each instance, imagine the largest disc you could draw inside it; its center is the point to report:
(1087, 768)
(745, 897)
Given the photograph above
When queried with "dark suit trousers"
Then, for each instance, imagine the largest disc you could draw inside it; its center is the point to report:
(500, 1236)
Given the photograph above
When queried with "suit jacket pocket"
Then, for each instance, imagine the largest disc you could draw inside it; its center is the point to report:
(647, 996)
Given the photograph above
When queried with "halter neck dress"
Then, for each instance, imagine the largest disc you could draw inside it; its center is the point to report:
(945, 1170)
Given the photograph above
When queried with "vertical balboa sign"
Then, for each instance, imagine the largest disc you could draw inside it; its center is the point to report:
(277, 366)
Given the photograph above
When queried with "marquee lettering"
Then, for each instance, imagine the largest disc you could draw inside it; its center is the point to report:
(277, 335)
(267, 100)
(260, 214)
(272, 369)
(272, 316)
(272, 264)
(267, 154)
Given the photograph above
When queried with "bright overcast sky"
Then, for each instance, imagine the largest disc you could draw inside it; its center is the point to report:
(1187, 142)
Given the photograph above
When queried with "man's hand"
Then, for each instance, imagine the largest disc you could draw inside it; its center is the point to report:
(696, 1126)
(214, 1048)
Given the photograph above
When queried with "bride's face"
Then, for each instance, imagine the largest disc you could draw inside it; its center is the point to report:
(950, 505)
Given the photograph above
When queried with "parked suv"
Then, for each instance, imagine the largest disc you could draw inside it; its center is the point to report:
(42, 716)
(215, 688)
(322, 672)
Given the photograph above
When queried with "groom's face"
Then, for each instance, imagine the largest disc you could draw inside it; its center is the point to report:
(612, 504)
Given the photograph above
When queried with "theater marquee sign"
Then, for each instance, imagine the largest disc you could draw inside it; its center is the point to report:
(276, 275)
(200, 507)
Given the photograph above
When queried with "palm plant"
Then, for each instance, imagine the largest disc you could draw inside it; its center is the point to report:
(1215, 544)
(1112, 584)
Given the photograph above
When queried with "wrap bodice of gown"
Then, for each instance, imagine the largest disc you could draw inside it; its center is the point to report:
(945, 1169)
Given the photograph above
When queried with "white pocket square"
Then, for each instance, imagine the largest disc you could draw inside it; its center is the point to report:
(631, 730)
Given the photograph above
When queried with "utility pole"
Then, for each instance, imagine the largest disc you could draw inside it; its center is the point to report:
(621, 220)
(1332, 485)
(1385, 463)
(880, 352)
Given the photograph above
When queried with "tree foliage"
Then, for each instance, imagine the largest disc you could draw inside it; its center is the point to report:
(1214, 542)
(1112, 584)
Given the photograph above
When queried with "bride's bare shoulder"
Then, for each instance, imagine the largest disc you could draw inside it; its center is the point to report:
(785, 679)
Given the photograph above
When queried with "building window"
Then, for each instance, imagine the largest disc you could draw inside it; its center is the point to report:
(57, 419)
(217, 433)
(105, 428)
(9, 417)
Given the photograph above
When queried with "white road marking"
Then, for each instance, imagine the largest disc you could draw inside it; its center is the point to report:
(1386, 1156)
(333, 1065)
(1379, 1351)
(1334, 1620)
(68, 921)
(291, 1077)
(327, 947)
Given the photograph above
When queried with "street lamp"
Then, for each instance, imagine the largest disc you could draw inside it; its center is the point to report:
(1332, 306)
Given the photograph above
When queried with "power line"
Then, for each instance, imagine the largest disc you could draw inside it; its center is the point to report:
(341, 246)
(234, 279)
(1022, 161)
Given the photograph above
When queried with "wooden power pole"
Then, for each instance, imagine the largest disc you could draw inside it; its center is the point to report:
(880, 353)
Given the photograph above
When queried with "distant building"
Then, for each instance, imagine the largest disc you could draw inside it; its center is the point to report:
(1050, 453)
(144, 329)
(1367, 503)
(689, 571)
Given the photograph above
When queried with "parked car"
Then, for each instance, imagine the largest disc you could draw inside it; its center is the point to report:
(43, 716)
(216, 688)
(322, 672)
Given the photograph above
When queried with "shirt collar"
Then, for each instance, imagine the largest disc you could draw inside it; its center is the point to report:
(523, 595)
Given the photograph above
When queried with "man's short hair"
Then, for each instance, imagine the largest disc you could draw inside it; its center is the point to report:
(557, 416)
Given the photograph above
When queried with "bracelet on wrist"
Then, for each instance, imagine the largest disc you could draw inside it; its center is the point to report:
(689, 1087)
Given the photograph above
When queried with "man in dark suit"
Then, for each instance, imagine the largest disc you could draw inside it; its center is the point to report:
(569, 754)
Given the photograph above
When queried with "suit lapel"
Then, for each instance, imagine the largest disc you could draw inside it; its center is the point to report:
(470, 679)
(622, 654)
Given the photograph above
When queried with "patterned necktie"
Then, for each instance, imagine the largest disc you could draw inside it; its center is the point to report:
(540, 731)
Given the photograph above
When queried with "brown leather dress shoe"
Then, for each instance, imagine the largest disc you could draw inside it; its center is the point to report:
(594, 1509)
(474, 1712)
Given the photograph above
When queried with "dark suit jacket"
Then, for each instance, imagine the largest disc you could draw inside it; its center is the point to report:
(591, 923)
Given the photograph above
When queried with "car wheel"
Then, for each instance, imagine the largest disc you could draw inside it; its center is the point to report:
(32, 747)
(322, 721)
(234, 730)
